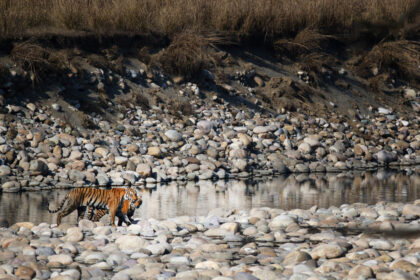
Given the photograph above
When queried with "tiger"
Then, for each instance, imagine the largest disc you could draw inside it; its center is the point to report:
(117, 201)
(127, 212)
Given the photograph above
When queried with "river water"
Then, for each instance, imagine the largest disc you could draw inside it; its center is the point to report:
(198, 198)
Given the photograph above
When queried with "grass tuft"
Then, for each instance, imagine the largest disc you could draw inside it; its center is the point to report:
(187, 54)
(400, 58)
(37, 60)
(306, 41)
(181, 107)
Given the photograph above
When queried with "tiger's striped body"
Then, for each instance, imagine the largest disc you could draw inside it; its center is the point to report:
(126, 212)
(117, 201)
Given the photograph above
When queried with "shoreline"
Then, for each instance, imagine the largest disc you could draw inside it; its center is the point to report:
(259, 174)
(203, 146)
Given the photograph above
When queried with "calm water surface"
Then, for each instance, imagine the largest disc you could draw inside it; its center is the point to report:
(197, 198)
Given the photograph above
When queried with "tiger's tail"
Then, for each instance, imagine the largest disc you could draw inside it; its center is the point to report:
(61, 206)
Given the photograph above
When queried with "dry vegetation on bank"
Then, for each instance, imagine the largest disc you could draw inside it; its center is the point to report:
(263, 19)
(302, 30)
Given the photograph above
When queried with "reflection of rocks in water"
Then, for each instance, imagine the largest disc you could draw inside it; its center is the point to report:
(198, 198)
(31, 206)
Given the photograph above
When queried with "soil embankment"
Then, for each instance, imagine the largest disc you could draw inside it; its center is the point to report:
(84, 109)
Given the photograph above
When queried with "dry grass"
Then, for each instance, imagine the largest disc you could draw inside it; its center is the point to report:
(399, 58)
(37, 60)
(136, 98)
(300, 29)
(180, 107)
(265, 20)
(305, 42)
(187, 55)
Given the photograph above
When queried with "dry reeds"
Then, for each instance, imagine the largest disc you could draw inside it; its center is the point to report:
(264, 20)
(188, 53)
(399, 57)
(38, 60)
(296, 28)
(305, 42)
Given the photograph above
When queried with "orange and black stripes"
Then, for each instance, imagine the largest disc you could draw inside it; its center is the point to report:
(118, 201)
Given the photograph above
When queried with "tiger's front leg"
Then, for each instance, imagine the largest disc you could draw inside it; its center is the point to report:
(123, 213)
(112, 213)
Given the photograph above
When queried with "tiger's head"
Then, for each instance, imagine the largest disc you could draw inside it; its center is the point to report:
(133, 197)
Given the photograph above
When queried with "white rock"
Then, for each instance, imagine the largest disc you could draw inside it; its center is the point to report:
(56, 107)
(130, 243)
(74, 234)
(63, 259)
(281, 221)
(205, 126)
(327, 251)
(304, 148)
(179, 260)
(240, 163)
(410, 93)
(383, 111)
(260, 129)
(121, 160)
(173, 135)
(207, 265)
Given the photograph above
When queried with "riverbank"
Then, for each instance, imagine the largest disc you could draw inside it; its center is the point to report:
(125, 109)
(347, 242)
(216, 141)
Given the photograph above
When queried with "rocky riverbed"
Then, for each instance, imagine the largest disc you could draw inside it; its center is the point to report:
(40, 151)
(356, 241)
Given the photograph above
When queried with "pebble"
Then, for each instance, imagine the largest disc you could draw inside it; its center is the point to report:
(328, 251)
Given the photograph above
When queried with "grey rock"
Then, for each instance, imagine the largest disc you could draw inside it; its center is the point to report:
(385, 157)
(327, 251)
(38, 167)
(76, 175)
(205, 126)
(11, 186)
(173, 135)
(239, 163)
(244, 276)
(5, 170)
(281, 221)
(304, 148)
(103, 179)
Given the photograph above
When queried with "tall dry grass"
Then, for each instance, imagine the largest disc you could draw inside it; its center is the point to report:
(245, 19)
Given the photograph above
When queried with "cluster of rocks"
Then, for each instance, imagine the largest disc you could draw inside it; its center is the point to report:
(335, 243)
(40, 151)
